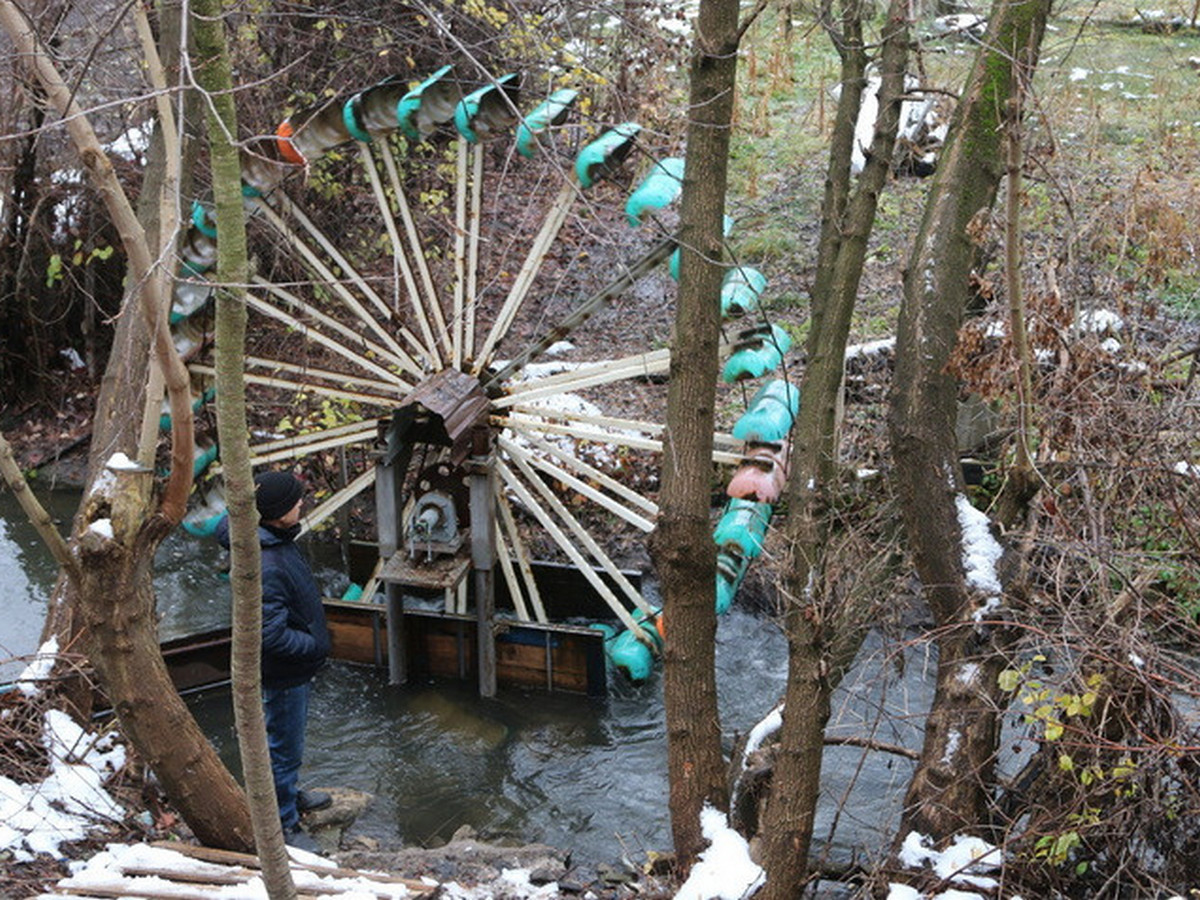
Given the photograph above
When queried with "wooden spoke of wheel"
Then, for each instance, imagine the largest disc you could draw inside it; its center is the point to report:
(473, 225)
(509, 524)
(586, 470)
(259, 457)
(332, 504)
(462, 177)
(584, 311)
(397, 388)
(357, 430)
(514, 484)
(650, 429)
(578, 531)
(551, 225)
(510, 576)
(315, 320)
(582, 433)
(302, 387)
(335, 284)
(399, 256)
(358, 357)
(577, 485)
(721, 439)
(655, 362)
(417, 251)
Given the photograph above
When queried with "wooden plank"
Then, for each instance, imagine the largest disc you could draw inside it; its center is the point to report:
(356, 632)
(445, 646)
(250, 861)
(431, 575)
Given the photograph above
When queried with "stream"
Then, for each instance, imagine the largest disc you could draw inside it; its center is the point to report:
(586, 775)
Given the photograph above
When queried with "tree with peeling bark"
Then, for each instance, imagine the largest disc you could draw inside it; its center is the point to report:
(823, 629)
(950, 790)
(684, 552)
(106, 600)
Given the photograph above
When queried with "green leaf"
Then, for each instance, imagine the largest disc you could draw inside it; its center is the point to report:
(1009, 679)
(54, 270)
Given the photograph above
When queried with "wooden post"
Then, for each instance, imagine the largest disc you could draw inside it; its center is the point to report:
(388, 483)
(483, 556)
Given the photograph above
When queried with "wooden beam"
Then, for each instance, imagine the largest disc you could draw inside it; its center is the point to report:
(587, 470)
(473, 225)
(399, 256)
(332, 504)
(509, 524)
(656, 362)
(398, 387)
(335, 284)
(578, 486)
(529, 424)
(287, 384)
(417, 255)
(462, 171)
(503, 554)
(551, 225)
(580, 533)
(358, 357)
(584, 311)
(531, 503)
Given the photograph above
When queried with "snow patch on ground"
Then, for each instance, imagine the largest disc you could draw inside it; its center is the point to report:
(38, 818)
(511, 883)
(965, 862)
(725, 870)
(1098, 321)
(871, 348)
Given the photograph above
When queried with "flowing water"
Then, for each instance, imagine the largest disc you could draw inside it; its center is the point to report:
(580, 774)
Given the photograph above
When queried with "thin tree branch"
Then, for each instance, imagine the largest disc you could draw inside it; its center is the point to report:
(37, 514)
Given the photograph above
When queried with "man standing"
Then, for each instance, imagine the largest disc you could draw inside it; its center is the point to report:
(295, 642)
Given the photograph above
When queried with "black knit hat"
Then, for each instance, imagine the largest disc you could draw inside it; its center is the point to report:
(275, 493)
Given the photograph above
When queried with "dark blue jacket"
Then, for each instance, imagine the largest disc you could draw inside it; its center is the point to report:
(295, 638)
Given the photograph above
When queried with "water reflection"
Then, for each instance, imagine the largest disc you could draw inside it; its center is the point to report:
(27, 574)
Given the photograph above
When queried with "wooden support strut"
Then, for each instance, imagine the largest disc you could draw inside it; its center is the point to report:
(483, 555)
(387, 513)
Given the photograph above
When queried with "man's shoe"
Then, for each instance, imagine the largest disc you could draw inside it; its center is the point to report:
(300, 839)
(307, 801)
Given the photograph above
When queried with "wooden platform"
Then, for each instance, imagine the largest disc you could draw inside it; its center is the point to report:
(187, 872)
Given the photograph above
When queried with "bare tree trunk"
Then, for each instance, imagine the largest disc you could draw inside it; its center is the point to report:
(950, 790)
(683, 547)
(822, 638)
(848, 42)
(215, 76)
(119, 524)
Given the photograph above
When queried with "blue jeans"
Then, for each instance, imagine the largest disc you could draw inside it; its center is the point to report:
(286, 712)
